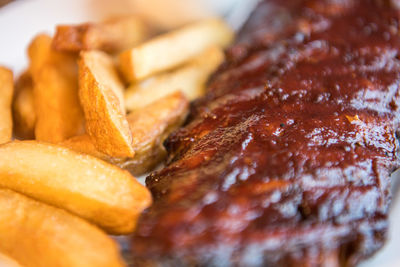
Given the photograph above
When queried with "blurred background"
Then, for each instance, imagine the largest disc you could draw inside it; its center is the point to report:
(20, 20)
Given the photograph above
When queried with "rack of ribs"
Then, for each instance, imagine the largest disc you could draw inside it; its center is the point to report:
(287, 159)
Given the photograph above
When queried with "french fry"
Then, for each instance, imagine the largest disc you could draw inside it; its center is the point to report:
(38, 52)
(112, 36)
(58, 112)
(101, 95)
(86, 186)
(173, 49)
(84, 144)
(6, 92)
(150, 126)
(6, 261)
(191, 79)
(23, 110)
(39, 235)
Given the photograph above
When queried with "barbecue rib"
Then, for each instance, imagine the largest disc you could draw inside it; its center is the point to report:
(286, 160)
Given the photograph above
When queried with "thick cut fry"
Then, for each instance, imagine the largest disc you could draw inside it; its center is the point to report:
(6, 94)
(81, 184)
(6, 261)
(112, 36)
(38, 235)
(24, 114)
(150, 126)
(191, 79)
(173, 49)
(58, 112)
(101, 95)
(38, 52)
(84, 144)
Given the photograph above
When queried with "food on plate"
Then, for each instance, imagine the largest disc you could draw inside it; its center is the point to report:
(101, 95)
(150, 126)
(84, 144)
(55, 76)
(113, 35)
(23, 110)
(191, 79)
(91, 188)
(173, 48)
(270, 170)
(38, 52)
(6, 94)
(36, 234)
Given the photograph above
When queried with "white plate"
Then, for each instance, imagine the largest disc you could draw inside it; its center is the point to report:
(22, 19)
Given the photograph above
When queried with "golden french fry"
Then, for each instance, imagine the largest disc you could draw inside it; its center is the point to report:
(173, 49)
(101, 95)
(23, 110)
(58, 112)
(36, 235)
(113, 35)
(84, 144)
(150, 127)
(81, 184)
(38, 52)
(191, 79)
(6, 94)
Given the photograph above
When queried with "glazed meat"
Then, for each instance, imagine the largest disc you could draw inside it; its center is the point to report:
(287, 159)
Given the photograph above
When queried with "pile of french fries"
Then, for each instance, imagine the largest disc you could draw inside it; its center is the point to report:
(93, 109)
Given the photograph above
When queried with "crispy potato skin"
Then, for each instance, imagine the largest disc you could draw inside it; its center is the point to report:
(6, 91)
(101, 96)
(55, 76)
(150, 127)
(113, 36)
(72, 37)
(170, 50)
(91, 188)
(23, 110)
(38, 235)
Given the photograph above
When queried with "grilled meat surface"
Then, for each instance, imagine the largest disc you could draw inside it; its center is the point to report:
(287, 159)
